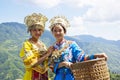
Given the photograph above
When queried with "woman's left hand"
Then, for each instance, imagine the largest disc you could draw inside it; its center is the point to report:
(101, 55)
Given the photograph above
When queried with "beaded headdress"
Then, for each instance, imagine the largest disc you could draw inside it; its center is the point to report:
(59, 19)
(34, 19)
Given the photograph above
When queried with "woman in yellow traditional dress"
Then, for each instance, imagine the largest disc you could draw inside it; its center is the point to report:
(34, 53)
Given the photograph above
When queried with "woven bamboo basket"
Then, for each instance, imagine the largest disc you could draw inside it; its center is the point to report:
(95, 69)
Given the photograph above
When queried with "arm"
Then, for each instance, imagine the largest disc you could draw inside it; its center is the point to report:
(25, 53)
(43, 58)
(78, 55)
(77, 52)
(99, 55)
(65, 64)
(62, 64)
(81, 56)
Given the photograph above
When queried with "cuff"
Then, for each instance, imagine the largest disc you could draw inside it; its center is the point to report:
(91, 57)
(81, 57)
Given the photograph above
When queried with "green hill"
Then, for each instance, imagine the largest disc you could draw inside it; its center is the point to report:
(13, 34)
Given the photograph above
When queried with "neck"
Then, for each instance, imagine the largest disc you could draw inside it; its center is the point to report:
(34, 40)
(60, 40)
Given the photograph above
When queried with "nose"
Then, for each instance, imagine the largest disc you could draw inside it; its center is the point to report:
(57, 32)
(38, 32)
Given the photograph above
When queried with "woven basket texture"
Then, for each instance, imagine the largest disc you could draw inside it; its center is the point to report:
(95, 69)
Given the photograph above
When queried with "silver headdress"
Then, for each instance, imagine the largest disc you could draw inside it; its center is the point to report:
(34, 19)
(59, 19)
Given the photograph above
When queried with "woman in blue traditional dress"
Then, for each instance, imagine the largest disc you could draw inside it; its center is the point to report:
(66, 52)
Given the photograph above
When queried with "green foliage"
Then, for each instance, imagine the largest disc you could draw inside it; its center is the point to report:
(114, 76)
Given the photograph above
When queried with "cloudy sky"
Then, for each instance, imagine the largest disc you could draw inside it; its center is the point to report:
(100, 18)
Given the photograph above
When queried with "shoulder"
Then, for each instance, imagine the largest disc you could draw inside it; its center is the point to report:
(71, 42)
(27, 43)
(42, 43)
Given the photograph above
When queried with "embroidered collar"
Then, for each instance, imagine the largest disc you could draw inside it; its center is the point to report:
(60, 45)
(64, 40)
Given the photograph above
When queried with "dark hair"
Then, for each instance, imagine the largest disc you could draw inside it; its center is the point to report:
(60, 25)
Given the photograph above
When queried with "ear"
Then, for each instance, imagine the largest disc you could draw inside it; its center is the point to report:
(64, 32)
(30, 32)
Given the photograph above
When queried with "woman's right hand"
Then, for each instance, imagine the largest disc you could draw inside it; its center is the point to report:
(65, 64)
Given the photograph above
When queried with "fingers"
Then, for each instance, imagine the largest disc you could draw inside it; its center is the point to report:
(50, 48)
(105, 56)
(101, 55)
(67, 64)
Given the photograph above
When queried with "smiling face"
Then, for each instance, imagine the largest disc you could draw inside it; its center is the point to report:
(36, 32)
(58, 32)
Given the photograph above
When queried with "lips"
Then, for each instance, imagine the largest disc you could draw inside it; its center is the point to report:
(57, 35)
(37, 35)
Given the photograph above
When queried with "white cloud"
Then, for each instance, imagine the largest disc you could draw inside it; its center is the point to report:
(78, 3)
(102, 19)
(98, 10)
(41, 3)
(94, 17)
(77, 20)
(46, 3)
(77, 27)
(104, 10)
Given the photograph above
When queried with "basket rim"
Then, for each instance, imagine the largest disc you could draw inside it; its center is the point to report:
(93, 60)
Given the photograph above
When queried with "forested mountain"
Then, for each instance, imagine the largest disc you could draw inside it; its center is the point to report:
(12, 35)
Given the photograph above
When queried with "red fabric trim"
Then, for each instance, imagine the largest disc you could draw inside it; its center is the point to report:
(38, 76)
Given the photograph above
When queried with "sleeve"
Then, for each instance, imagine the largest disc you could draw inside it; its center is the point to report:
(26, 47)
(91, 57)
(78, 53)
(55, 67)
(26, 54)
